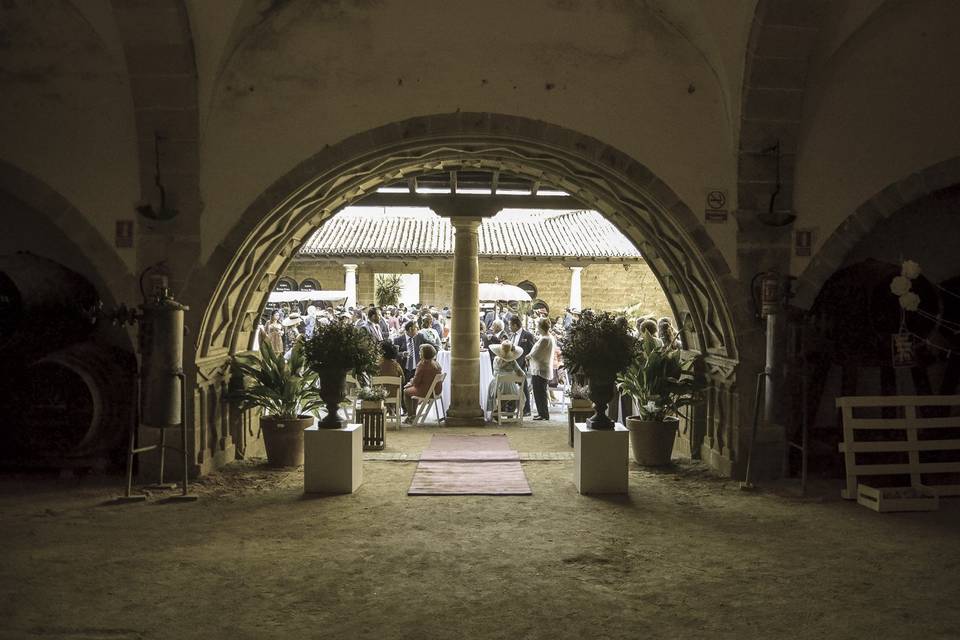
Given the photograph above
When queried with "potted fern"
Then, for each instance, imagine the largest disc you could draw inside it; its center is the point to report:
(287, 394)
(335, 350)
(599, 346)
(663, 385)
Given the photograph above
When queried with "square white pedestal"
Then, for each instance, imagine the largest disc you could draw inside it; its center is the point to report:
(600, 459)
(333, 459)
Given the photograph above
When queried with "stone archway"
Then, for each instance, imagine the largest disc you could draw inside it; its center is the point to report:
(691, 270)
(861, 222)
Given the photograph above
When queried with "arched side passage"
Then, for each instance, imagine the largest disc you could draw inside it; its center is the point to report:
(690, 268)
(861, 222)
(107, 271)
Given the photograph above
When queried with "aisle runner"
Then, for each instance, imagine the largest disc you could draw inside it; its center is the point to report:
(469, 465)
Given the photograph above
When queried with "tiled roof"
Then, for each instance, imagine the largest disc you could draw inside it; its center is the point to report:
(585, 234)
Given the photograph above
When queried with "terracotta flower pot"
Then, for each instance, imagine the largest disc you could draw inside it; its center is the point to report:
(283, 439)
(651, 441)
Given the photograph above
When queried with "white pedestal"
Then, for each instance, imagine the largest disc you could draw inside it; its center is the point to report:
(600, 459)
(333, 459)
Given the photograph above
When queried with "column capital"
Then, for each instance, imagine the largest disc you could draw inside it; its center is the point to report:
(575, 265)
(466, 223)
(350, 267)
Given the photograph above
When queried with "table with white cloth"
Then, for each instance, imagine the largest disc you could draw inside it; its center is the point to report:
(486, 375)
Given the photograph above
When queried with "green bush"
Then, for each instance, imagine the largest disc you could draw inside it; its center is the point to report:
(599, 345)
(340, 347)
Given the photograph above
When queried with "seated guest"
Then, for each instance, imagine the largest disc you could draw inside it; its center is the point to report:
(390, 367)
(505, 362)
(419, 386)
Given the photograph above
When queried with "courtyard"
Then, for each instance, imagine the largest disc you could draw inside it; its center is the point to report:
(685, 554)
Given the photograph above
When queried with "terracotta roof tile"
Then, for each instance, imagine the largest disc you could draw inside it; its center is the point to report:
(553, 234)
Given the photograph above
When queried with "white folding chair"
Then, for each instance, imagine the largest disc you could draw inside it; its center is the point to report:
(391, 401)
(432, 399)
(349, 404)
(501, 397)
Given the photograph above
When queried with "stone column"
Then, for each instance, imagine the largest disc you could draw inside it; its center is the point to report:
(350, 284)
(576, 299)
(464, 372)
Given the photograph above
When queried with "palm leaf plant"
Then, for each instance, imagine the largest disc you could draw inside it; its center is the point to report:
(283, 389)
(287, 394)
(388, 288)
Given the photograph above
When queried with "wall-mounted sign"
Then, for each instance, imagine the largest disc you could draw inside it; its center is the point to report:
(715, 206)
(123, 235)
(310, 284)
(286, 283)
(803, 243)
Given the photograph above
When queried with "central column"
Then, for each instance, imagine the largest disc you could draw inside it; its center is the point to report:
(350, 284)
(576, 301)
(464, 373)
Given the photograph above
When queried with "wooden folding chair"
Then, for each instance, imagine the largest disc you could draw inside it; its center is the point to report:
(501, 397)
(391, 401)
(432, 399)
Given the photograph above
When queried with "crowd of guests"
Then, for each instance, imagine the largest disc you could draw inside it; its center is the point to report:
(527, 346)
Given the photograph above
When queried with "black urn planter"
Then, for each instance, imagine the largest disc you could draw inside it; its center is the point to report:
(332, 390)
(602, 390)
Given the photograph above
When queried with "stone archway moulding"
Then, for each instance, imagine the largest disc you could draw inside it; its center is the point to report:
(861, 222)
(269, 233)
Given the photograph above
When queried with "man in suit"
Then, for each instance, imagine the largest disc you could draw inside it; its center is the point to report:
(523, 340)
(408, 346)
(372, 325)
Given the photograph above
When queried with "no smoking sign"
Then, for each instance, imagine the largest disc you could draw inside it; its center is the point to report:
(715, 209)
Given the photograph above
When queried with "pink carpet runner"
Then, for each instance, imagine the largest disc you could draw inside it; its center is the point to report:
(469, 465)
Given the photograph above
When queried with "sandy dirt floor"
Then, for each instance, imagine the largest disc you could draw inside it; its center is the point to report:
(685, 555)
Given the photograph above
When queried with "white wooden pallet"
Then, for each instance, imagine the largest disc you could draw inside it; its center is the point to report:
(912, 446)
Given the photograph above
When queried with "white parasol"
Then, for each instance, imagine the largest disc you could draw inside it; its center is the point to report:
(495, 291)
(297, 296)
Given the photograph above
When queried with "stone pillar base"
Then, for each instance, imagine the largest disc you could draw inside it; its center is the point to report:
(601, 459)
(333, 459)
(465, 418)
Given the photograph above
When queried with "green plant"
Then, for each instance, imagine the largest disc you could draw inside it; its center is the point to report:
(599, 345)
(282, 389)
(338, 348)
(661, 382)
(387, 289)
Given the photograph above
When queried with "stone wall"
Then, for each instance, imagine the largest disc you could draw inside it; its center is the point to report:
(604, 285)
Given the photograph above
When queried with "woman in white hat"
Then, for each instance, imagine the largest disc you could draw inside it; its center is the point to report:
(291, 333)
(505, 362)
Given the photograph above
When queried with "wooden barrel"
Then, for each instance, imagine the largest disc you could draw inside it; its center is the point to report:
(44, 307)
(71, 408)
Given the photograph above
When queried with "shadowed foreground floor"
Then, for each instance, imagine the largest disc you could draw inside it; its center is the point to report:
(684, 555)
